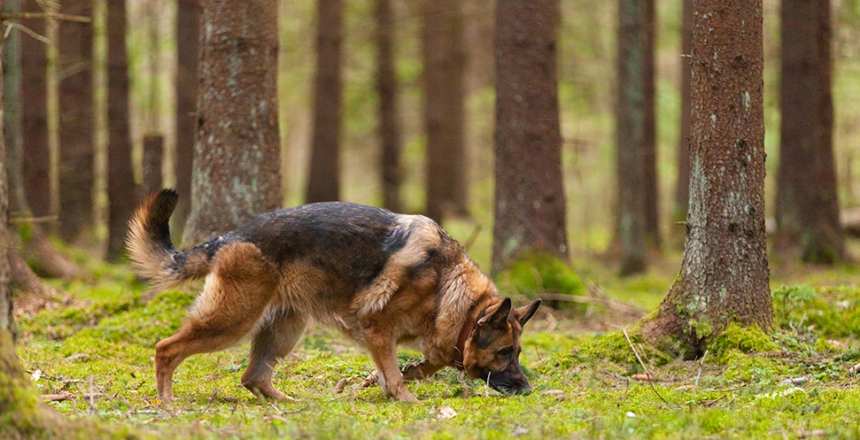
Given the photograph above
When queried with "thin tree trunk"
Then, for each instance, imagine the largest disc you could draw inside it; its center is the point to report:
(76, 123)
(649, 156)
(36, 163)
(153, 154)
(389, 123)
(807, 207)
(12, 115)
(324, 176)
(237, 152)
(632, 151)
(121, 187)
(444, 72)
(682, 185)
(724, 274)
(530, 201)
(187, 52)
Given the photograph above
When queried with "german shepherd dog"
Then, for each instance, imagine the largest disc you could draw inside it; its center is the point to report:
(380, 278)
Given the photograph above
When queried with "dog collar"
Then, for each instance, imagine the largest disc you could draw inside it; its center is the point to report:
(459, 349)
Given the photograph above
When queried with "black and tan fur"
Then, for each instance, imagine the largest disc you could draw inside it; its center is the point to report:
(380, 278)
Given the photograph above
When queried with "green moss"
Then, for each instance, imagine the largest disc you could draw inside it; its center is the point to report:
(536, 274)
(614, 347)
(738, 338)
(746, 368)
(833, 312)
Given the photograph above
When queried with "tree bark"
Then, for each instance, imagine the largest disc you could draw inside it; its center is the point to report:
(807, 204)
(529, 200)
(389, 123)
(12, 114)
(121, 187)
(324, 176)
(34, 65)
(444, 72)
(187, 53)
(153, 154)
(649, 156)
(630, 132)
(237, 152)
(682, 185)
(724, 274)
(76, 121)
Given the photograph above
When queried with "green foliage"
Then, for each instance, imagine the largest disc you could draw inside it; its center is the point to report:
(615, 348)
(536, 274)
(743, 339)
(832, 311)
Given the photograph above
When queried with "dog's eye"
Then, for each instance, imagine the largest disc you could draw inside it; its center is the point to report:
(507, 351)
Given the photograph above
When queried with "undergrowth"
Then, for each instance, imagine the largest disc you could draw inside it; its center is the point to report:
(586, 385)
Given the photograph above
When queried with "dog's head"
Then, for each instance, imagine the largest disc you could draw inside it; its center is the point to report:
(492, 350)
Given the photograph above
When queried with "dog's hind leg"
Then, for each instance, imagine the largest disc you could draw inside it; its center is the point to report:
(279, 333)
(237, 291)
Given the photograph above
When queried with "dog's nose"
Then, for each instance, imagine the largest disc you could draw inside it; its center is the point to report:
(525, 388)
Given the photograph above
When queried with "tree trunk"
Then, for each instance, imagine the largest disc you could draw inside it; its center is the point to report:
(682, 185)
(76, 121)
(121, 187)
(187, 53)
(237, 152)
(444, 69)
(389, 124)
(807, 205)
(12, 115)
(153, 154)
(34, 63)
(324, 176)
(724, 274)
(530, 201)
(630, 130)
(649, 156)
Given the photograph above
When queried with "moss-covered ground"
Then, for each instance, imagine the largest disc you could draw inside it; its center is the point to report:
(587, 380)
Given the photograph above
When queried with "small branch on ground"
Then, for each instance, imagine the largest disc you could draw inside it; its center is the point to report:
(650, 382)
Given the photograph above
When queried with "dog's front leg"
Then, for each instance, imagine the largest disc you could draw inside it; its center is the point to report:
(420, 370)
(384, 353)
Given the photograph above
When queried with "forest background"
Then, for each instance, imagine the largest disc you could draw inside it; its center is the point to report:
(587, 379)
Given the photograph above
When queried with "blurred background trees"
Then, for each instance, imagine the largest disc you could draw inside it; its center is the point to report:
(406, 118)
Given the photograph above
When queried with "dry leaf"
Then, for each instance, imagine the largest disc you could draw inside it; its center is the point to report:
(446, 412)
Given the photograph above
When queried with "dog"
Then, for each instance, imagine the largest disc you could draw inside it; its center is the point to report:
(378, 277)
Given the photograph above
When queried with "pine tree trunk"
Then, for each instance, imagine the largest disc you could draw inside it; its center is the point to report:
(724, 274)
(444, 68)
(630, 133)
(807, 206)
(682, 185)
(389, 123)
(187, 53)
(153, 155)
(324, 176)
(649, 156)
(122, 192)
(12, 114)
(237, 152)
(76, 121)
(530, 201)
(34, 64)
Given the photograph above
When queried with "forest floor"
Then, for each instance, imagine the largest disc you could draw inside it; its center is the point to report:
(587, 381)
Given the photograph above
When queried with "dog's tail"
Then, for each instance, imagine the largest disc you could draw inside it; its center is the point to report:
(152, 253)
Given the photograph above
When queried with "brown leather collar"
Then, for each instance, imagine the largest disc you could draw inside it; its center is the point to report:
(459, 349)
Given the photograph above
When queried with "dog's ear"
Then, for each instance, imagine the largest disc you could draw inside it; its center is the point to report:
(524, 313)
(498, 317)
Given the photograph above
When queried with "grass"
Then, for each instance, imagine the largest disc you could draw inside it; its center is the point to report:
(584, 379)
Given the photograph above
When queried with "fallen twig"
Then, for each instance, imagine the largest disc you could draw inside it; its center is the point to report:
(650, 382)
(56, 397)
(854, 370)
(701, 362)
